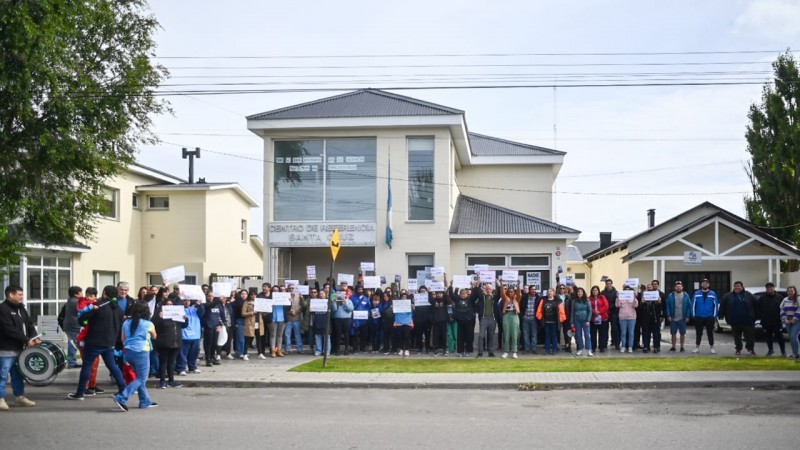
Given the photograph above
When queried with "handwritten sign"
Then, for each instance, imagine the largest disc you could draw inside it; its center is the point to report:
(222, 289)
(302, 289)
(486, 276)
(319, 305)
(401, 306)
(360, 315)
(368, 267)
(437, 272)
(263, 305)
(294, 283)
(344, 277)
(192, 292)
(173, 312)
(533, 278)
(626, 296)
(372, 282)
(436, 286)
(311, 272)
(480, 267)
(281, 299)
(462, 281)
(421, 300)
(510, 276)
(632, 282)
(651, 296)
(173, 274)
(412, 284)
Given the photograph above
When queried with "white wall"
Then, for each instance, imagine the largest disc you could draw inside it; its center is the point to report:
(471, 179)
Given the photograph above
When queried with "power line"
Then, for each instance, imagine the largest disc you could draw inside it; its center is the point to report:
(428, 66)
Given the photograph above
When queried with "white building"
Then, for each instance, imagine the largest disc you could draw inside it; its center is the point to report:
(459, 198)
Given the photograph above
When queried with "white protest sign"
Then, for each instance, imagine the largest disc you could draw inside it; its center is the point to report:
(372, 282)
(346, 277)
(221, 289)
(436, 286)
(437, 271)
(480, 267)
(427, 284)
(294, 283)
(311, 272)
(302, 289)
(173, 274)
(651, 296)
(533, 278)
(462, 281)
(626, 296)
(263, 305)
(281, 299)
(401, 306)
(368, 267)
(360, 315)
(412, 284)
(486, 276)
(376, 313)
(319, 305)
(421, 300)
(173, 312)
(192, 292)
(632, 282)
(510, 276)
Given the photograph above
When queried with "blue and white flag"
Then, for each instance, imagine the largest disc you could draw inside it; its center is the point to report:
(389, 206)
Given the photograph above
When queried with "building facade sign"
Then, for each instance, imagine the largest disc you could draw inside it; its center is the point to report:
(318, 234)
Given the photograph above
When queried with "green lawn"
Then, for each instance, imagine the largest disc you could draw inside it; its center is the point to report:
(472, 365)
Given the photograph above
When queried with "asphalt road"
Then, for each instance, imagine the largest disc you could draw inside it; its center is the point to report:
(371, 418)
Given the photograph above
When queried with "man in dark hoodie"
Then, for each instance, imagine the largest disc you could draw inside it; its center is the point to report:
(610, 293)
(16, 332)
(104, 320)
(739, 310)
(768, 308)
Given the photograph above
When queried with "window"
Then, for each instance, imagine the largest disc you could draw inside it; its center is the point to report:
(325, 179)
(542, 260)
(48, 281)
(580, 276)
(135, 199)
(108, 206)
(498, 261)
(104, 278)
(420, 179)
(154, 279)
(158, 202)
(244, 231)
(418, 263)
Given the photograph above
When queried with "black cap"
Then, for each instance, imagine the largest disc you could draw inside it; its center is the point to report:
(704, 280)
(770, 285)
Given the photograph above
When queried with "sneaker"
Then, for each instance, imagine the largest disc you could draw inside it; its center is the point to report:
(504, 355)
(72, 396)
(151, 405)
(579, 353)
(713, 351)
(784, 354)
(589, 352)
(696, 350)
(3, 405)
(196, 371)
(162, 385)
(217, 363)
(630, 349)
(23, 401)
(228, 357)
(407, 353)
(480, 354)
(261, 356)
(400, 353)
(209, 364)
(182, 373)
(683, 349)
(119, 405)
(491, 354)
(622, 350)
(738, 352)
(174, 384)
(217, 357)
(751, 352)
(89, 392)
(514, 355)
(770, 353)
(245, 358)
(672, 349)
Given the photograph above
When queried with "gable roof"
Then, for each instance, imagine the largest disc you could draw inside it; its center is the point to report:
(164, 177)
(482, 145)
(200, 187)
(476, 217)
(360, 103)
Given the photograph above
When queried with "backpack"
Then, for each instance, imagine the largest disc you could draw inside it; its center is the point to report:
(550, 311)
(61, 317)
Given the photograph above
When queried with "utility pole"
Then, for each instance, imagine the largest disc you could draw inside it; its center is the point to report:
(191, 154)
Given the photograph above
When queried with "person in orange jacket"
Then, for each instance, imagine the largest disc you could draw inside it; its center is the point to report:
(551, 313)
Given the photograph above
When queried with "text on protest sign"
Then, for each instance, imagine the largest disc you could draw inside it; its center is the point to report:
(319, 305)
(421, 300)
(263, 305)
(281, 299)
(401, 306)
(173, 274)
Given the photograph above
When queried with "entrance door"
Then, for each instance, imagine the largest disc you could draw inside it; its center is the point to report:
(720, 281)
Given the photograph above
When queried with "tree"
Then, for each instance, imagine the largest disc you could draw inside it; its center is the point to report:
(77, 94)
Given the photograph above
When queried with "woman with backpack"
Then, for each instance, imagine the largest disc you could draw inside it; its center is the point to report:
(551, 313)
(599, 319)
(581, 315)
(170, 340)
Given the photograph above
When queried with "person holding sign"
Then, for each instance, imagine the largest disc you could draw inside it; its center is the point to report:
(360, 325)
(627, 305)
(599, 324)
(423, 317)
(487, 324)
(190, 349)
(342, 320)
(651, 318)
(375, 325)
(213, 321)
(278, 324)
(510, 308)
(464, 315)
(169, 342)
(294, 320)
(551, 313)
(440, 319)
(387, 323)
(253, 324)
(320, 321)
(679, 309)
(404, 323)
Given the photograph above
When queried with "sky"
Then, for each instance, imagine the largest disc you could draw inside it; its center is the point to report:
(629, 148)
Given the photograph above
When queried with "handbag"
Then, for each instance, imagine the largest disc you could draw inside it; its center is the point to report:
(128, 373)
(223, 336)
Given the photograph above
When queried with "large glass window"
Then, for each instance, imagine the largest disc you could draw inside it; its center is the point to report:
(420, 179)
(48, 280)
(109, 208)
(325, 179)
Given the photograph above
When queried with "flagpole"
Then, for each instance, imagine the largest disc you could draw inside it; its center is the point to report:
(335, 246)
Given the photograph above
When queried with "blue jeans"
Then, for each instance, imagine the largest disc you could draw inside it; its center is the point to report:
(72, 348)
(292, 328)
(190, 349)
(140, 361)
(583, 336)
(90, 354)
(319, 339)
(794, 335)
(239, 337)
(154, 366)
(551, 337)
(530, 331)
(626, 332)
(17, 383)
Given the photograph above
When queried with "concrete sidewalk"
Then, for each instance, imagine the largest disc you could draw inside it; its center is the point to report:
(276, 373)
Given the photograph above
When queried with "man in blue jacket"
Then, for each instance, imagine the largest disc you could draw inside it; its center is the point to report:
(739, 310)
(705, 308)
(213, 321)
(190, 347)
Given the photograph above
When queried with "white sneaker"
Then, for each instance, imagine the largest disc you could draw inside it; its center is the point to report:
(696, 350)
(245, 358)
(713, 351)
(182, 373)
(630, 349)
(407, 353)
(22, 401)
(579, 353)
(400, 353)
(3, 405)
(196, 371)
(230, 357)
(217, 358)
(505, 355)
(622, 350)
(590, 353)
(514, 355)
(261, 356)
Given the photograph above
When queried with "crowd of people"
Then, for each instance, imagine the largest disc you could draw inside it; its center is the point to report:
(136, 341)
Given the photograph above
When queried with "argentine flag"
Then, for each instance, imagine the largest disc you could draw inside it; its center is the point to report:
(389, 207)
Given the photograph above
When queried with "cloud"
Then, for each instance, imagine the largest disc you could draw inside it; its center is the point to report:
(771, 19)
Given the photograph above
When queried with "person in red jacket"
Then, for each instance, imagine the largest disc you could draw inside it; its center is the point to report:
(599, 305)
(85, 305)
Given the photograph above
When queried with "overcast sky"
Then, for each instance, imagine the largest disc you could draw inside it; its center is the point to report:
(621, 142)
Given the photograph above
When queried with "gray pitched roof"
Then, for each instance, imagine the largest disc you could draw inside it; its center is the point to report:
(473, 216)
(361, 103)
(483, 145)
